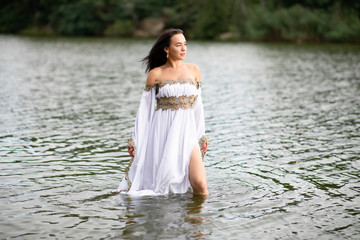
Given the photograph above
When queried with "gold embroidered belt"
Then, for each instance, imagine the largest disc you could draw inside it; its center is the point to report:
(175, 103)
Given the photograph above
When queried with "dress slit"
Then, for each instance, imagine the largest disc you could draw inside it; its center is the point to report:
(168, 127)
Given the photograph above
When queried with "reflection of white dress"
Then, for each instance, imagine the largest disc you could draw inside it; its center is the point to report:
(169, 124)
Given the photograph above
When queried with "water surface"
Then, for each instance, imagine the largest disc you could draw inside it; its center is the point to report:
(283, 162)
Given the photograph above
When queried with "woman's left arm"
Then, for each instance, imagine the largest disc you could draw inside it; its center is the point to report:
(200, 125)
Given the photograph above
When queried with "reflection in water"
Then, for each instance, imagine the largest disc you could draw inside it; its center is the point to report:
(163, 216)
(194, 208)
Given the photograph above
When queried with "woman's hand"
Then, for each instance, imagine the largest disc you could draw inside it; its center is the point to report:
(204, 148)
(131, 151)
(203, 144)
(131, 147)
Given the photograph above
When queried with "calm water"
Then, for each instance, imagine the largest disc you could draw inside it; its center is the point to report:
(283, 163)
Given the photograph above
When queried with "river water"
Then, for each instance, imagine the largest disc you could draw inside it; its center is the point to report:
(283, 161)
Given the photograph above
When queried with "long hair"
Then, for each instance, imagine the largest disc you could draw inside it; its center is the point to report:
(157, 55)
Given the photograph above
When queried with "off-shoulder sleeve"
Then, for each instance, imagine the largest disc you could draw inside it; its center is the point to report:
(199, 115)
(138, 142)
(144, 115)
(200, 122)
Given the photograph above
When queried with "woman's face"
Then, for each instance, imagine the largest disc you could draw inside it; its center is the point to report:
(177, 48)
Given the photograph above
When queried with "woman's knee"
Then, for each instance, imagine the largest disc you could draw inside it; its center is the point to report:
(199, 186)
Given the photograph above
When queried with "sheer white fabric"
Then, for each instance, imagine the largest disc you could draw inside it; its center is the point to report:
(164, 141)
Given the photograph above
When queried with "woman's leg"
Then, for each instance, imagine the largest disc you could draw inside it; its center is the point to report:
(197, 173)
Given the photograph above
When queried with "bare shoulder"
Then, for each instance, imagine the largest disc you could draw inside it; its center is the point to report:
(195, 70)
(153, 76)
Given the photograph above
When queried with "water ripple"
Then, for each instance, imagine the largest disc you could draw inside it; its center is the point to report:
(283, 123)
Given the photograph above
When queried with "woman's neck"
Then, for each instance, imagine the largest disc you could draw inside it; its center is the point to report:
(174, 63)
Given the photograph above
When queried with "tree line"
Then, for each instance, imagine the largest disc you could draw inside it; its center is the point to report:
(249, 20)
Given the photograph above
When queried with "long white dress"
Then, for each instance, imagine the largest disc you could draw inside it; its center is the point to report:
(169, 124)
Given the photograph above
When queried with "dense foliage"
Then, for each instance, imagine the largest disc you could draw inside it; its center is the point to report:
(255, 20)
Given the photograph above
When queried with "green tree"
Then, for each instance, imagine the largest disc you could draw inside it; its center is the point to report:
(15, 15)
(212, 20)
(83, 17)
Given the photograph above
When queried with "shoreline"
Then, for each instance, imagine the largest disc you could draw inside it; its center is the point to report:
(217, 40)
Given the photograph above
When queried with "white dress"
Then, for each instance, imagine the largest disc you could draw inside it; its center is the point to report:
(169, 124)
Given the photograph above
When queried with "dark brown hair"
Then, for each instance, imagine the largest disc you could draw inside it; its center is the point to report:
(157, 55)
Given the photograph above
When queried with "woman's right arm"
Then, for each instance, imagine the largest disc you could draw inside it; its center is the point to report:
(152, 76)
(144, 115)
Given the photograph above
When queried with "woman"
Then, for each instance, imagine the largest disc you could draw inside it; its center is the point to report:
(168, 141)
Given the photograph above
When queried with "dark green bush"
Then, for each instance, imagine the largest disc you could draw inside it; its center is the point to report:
(15, 15)
(79, 18)
(258, 20)
(212, 20)
(120, 28)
